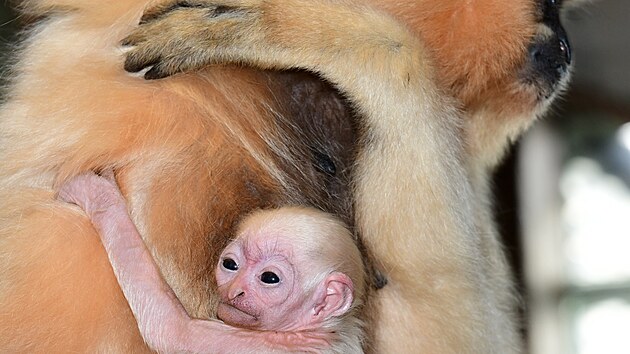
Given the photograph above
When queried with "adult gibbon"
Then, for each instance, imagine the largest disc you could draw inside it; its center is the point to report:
(426, 96)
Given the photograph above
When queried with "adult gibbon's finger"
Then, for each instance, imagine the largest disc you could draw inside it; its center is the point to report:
(213, 9)
(155, 12)
(137, 61)
(157, 72)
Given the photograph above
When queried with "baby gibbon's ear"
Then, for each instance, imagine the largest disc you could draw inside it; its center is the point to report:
(335, 296)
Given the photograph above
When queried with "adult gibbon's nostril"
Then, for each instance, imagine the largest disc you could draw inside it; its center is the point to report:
(551, 52)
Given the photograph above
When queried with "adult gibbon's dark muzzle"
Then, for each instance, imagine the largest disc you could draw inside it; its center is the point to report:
(549, 53)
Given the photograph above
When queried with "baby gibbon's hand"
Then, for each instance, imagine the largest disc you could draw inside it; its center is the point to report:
(92, 193)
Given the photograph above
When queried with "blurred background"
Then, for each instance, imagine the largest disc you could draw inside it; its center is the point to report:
(563, 195)
(572, 177)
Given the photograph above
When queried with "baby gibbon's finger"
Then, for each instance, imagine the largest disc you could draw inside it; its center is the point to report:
(108, 174)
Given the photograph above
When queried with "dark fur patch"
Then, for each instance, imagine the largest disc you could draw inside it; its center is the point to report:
(155, 15)
(324, 163)
(380, 280)
(224, 9)
(316, 118)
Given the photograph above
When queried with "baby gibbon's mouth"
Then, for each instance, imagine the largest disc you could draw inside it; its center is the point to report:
(235, 316)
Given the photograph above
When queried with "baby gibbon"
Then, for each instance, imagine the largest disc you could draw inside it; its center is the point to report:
(289, 281)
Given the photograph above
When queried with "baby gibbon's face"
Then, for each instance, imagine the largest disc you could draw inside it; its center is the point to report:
(259, 284)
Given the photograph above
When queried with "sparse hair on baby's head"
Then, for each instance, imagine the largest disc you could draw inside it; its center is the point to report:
(319, 238)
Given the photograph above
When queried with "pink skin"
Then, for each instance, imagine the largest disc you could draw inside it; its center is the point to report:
(276, 316)
(247, 301)
(250, 301)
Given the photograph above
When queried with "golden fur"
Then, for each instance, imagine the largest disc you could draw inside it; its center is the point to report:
(196, 152)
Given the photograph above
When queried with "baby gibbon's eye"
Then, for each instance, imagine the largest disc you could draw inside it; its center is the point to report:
(230, 264)
(269, 278)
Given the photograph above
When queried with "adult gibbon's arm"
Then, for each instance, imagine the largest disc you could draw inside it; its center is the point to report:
(412, 195)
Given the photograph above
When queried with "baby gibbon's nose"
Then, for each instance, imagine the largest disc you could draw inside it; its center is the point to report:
(236, 290)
